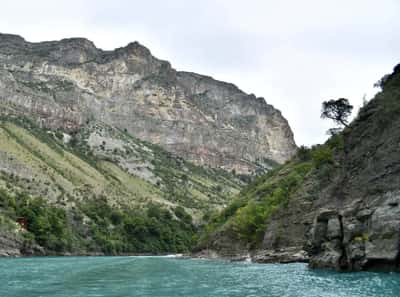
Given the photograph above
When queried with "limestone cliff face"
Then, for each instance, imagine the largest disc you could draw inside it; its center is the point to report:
(69, 83)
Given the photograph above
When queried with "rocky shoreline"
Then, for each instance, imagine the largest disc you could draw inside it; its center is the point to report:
(283, 256)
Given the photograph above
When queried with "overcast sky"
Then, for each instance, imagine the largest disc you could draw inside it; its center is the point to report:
(294, 53)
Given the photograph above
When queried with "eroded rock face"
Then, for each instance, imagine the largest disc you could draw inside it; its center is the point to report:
(383, 237)
(358, 239)
(68, 83)
(12, 244)
(364, 200)
(347, 215)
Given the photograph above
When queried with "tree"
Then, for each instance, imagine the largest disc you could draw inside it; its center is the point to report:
(337, 110)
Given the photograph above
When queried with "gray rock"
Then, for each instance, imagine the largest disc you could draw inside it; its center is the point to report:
(334, 228)
(384, 235)
(284, 255)
(326, 214)
(64, 84)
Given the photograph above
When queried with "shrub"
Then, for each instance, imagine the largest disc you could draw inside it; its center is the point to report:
(147, 230)
(47, 223)
(59, 135)
(304, 153)
(336, 142)
(322, 155)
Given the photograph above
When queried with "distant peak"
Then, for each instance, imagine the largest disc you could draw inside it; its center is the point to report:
(79, 41)
(136, 48)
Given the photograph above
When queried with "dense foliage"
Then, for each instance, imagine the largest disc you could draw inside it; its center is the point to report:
(151, 230)
(95, 226)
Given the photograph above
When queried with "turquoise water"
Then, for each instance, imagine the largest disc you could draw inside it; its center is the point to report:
(158, 276)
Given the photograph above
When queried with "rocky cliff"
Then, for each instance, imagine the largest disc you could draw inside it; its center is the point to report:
(357, 221)
(335, 205)
(70, 83)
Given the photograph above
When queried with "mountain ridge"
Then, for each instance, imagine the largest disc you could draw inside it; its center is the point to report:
(206, 121)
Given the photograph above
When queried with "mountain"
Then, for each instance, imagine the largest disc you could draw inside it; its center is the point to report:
(69, 84)
(115, 152)
(96, 183)
(336, 205)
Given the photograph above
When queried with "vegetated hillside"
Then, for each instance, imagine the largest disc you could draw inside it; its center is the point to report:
(336, 205)
(96, 148)
(69, 83)
(240, 228)
(99, 190)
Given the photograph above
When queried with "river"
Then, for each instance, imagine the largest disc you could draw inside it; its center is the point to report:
(165, 276)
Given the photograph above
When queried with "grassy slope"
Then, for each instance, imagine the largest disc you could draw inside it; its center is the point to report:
(44, 166)
(96, 199)
(50, 165)
(245, 217)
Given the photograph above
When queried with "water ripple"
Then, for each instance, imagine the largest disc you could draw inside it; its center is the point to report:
(169, 277)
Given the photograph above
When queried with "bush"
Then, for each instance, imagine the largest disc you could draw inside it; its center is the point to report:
(110, 229)
(304, 153)
(336, 142)
(322, 155)
(47, 223)
(148, 230)
(59, 135)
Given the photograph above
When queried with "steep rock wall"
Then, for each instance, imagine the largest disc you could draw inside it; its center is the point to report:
(68, 83)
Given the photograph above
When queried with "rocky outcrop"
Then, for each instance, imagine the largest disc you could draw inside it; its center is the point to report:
(281, 255)
(345, 213)
(10, 244)
(358, 238)
(69, 83)
(360, 230)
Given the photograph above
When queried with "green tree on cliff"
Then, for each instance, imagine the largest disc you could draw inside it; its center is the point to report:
(337, 110)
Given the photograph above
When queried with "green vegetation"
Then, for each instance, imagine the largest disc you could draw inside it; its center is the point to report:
(321, 156)
(246, 217)
(66, 172)
(47, 224)
(95, 226)
(103, 208)
(181, 182)
(151, 230)
(77, 199)
(337, 110)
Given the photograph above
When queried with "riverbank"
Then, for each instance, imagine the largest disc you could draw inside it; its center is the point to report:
(283, 255)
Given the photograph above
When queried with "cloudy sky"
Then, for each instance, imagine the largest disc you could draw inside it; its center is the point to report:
(293, 53)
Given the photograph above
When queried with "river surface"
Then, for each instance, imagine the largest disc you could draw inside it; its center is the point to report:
(163, 276)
